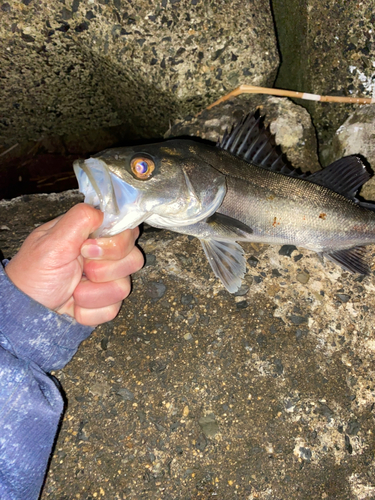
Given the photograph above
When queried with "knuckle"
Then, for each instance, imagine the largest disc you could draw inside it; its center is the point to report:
(79, 295)
(92, 270)
(138, 260)
(111, 312)
(136, 233)
(126, 288)
(85, 213)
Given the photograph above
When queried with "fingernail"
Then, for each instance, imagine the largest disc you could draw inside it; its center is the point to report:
(91, 251)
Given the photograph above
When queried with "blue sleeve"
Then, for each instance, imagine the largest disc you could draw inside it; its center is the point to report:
(33, 340)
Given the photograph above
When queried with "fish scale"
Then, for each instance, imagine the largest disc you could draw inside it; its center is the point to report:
(300, 213)
(244, 189)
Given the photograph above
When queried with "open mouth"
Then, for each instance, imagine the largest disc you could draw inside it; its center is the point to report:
(113, 196)
(95, 183)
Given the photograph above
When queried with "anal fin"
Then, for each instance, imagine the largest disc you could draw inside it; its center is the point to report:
(351, 260)
(227, 261)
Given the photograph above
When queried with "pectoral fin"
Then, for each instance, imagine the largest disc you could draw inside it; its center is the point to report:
(227, 262)
(226, 226)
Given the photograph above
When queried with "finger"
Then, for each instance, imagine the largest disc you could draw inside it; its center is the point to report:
(77, 224)
(94, 317)
(48, 225)
(100, 271)
(111, 248)
(97, 295)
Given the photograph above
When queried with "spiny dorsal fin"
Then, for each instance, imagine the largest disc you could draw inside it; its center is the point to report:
(251, 141)
(344, 176)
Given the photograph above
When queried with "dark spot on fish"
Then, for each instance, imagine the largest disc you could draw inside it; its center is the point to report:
(322, 216)
(275, 223)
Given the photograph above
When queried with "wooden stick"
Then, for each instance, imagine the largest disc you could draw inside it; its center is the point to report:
(252, 89)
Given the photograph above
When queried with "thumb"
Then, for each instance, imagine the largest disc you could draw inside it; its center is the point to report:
(77, 224)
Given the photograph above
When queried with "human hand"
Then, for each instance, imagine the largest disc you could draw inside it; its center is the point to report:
(62, 269)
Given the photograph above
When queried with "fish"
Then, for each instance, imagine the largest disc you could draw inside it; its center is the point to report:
(243, 189)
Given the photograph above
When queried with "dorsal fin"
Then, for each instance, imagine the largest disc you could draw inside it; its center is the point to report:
(251, 141)
(344, 176)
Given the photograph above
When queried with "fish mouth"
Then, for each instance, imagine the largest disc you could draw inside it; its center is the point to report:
(114, 197)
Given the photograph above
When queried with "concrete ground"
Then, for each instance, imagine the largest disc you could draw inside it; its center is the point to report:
(195, 393)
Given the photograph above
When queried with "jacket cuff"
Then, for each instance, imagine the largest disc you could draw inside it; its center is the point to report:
(33, 332)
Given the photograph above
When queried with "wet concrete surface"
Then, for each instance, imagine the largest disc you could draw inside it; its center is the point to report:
(195, 393)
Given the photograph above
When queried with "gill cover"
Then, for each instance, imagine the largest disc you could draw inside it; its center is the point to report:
(200, 193)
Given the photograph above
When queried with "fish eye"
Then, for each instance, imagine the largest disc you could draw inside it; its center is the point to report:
(142, 167)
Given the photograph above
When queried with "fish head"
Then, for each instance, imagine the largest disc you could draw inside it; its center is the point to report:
(166, 183)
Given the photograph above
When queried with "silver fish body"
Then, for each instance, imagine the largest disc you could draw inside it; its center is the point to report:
(223, 195)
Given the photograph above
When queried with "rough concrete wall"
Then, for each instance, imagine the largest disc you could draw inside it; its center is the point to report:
(327, 48)
(72, 66)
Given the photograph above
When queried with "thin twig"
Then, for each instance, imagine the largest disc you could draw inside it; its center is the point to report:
(9, 149)
(252, 89)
